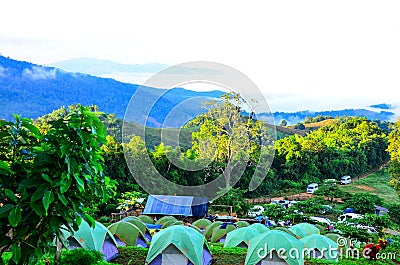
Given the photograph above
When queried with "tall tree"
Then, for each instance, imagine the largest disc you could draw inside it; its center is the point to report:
(226, 135)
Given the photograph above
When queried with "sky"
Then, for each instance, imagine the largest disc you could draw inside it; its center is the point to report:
(303, 55)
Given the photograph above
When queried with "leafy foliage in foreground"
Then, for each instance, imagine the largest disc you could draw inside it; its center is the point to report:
(49, 179)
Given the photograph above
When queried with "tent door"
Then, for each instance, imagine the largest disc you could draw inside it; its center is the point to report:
(172, 256)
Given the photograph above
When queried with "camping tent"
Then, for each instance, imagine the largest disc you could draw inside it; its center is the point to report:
(210, 228)
(309, 228)
(178, 245)
(242, 224)
(219, 233)
(299, 232)
(263, 249)
(259, 227)
(202, 223)
(139, 224)
(320, 247)
(127, 234)
(240, 237)
(94, 238)
(146, 219)
(286, 230)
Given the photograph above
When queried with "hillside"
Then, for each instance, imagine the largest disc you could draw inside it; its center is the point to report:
(32, 91)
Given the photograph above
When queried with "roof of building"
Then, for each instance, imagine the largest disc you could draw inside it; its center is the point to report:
(176, 205)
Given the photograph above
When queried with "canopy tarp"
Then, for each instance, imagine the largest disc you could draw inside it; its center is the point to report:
(185, 239)
(240, 235)
(176, 205)
(327, 248)
(275, 240)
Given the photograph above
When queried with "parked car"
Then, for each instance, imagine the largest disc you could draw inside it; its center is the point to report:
(257, 210)
(345, 180)
(282, 203)
(312, 187)
(320, 219)
(348, 216)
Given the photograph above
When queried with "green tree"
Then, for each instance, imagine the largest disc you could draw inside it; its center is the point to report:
(329, 189)
(48, 180)
(394, 151)
(364, 202)
(233, 197)
(229, 137)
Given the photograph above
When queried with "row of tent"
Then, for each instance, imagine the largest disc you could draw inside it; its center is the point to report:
(176, 244)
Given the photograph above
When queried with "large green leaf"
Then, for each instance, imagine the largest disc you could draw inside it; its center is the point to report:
(48, 198)
(5, 209)
(4, 168)
(15, 216)
(11, 195)
(16, 251)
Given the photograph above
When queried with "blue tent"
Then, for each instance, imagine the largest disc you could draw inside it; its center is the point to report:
(176, 205)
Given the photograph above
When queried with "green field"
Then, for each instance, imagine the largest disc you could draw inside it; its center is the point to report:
(376, 183)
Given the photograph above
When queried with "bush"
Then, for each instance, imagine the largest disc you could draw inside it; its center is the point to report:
(110, 208)
(81, 256)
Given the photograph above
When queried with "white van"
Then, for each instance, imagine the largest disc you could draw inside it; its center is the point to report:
(312, 187)
(345, 180)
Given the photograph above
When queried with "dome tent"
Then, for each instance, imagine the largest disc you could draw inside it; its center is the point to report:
(178, 245)
(219, 233)
(271, 242)
(321, 247)
(139, 224)
(127, 234)
(299, 232)
(259, 227)
(309, 228)
(240, 237)
(94, 238)
(202, 223)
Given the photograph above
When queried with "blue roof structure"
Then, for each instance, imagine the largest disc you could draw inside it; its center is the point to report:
(176, 205)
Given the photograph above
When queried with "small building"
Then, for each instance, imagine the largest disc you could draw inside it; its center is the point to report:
(379, 210)
(196, 207)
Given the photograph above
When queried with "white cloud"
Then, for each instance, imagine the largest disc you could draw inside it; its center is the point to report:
(39, 73)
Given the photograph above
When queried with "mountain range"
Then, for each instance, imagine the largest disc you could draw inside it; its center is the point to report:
(32, 90)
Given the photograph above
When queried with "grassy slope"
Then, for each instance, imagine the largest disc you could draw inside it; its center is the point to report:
(376, 183)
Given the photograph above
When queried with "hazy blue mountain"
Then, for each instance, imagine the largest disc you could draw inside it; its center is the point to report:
(32, 91)
(98, 67)
(382, 106)
(295, 117)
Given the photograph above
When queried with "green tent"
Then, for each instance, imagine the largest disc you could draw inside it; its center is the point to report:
(343, 242)
(321, 228)
(309, 228)
(94, 238)
(178, 245)
(127, 234)
(166, 219)
(299, 232)
(263, 249)
(146, 219)
(286, 230)
(210, 228)
(219, 233)
(242, 224)
(139, 224)
(202, 223)
(240, 237)
(259, 227)
(321, 247)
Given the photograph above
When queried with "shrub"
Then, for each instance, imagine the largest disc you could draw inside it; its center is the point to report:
(81, 256)
(110, 208)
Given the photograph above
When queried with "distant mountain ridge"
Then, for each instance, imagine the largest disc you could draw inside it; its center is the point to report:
(32, 91)
(98, 67)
